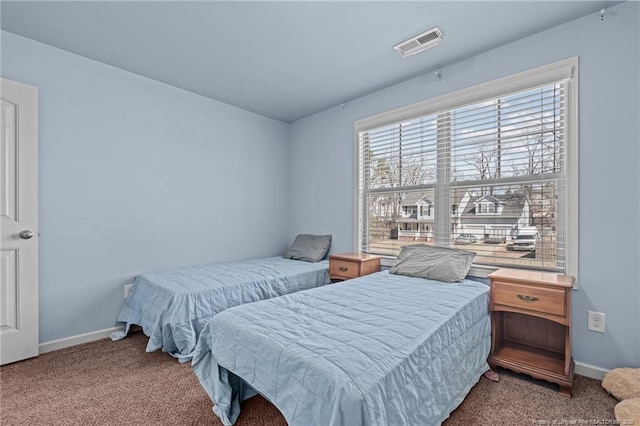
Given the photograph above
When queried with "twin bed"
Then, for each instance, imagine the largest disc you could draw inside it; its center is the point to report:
(378, 350)
(173, 306)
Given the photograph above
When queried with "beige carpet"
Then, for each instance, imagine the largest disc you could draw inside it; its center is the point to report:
(119, 383)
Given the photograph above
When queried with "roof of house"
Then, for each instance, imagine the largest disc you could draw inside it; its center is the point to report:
(413, 198)
(513, 204)
(489, 198)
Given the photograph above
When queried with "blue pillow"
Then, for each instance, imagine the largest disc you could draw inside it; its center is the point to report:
(309, 248)
(433, 263)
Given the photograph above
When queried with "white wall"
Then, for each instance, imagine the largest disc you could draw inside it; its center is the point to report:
(322, 169)
(136, 175)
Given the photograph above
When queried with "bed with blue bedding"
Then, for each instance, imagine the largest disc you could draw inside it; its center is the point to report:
(173, 306)
(383, 349)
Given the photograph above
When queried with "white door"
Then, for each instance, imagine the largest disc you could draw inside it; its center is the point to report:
(18, 221)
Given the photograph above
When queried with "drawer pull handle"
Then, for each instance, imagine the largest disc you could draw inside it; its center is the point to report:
(343, 268)
(527, 298)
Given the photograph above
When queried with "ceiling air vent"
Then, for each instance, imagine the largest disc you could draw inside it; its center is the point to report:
(419, 43)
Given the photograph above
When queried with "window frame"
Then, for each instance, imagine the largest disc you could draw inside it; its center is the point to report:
(566, 69)
(490, 208)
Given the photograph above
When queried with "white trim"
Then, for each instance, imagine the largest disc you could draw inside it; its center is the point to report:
(545, 74)
(357, 238)
(387, 261)
(589, 370)
(481, 271)
(571, 175)
(79, 339)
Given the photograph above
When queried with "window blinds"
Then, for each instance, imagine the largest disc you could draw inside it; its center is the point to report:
(492, 174)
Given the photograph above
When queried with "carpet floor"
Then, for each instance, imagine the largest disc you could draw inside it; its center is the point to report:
(118, 383)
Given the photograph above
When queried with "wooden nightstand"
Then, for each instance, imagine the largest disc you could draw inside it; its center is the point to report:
(531, 325)
(345, 266)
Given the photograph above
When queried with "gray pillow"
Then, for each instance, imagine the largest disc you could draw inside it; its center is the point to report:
(433, 263)
(309, 248)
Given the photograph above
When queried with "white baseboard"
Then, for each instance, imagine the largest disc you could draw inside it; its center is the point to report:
(79, 339)
(589, 370)
(581, 368)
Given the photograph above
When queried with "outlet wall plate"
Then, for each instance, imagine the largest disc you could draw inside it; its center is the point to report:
(596, 321)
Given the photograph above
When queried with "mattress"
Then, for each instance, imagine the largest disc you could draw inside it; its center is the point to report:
(173, 306)
(378, 350)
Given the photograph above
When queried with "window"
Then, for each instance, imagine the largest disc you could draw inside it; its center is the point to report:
(485, 208)
(498, 160)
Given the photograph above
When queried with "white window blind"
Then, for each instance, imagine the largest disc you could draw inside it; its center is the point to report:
(488, 176)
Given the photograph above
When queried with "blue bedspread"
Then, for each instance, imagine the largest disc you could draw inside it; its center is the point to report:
(173, 306)
(379, 350)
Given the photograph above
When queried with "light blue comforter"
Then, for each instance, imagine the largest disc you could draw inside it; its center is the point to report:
(173, 306)
(379, 350)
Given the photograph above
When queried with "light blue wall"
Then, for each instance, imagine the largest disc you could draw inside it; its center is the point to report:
(136, 175)
(322, 168)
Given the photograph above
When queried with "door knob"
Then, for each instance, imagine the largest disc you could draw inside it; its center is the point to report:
(26, 234)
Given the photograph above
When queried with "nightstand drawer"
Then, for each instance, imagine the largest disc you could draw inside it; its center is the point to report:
(539, 299)
(344, 269)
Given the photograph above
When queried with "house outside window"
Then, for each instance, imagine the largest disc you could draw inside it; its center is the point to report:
(490, 161)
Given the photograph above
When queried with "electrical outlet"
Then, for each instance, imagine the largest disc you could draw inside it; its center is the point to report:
(596, 321)
(127, 289)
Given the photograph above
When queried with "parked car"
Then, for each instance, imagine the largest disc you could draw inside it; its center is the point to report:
(495, 240)
(466, 239)
(526, 242)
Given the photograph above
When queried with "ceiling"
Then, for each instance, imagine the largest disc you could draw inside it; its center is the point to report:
(284, 60)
